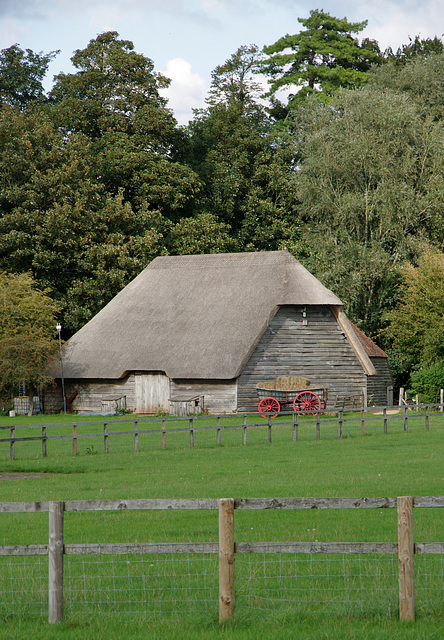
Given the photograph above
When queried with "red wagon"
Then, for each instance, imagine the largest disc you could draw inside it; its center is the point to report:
(272, 401)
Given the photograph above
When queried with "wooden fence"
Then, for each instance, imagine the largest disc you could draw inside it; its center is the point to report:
(227, 547)
(421, 414)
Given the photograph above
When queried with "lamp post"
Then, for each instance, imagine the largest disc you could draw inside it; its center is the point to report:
(59, 329)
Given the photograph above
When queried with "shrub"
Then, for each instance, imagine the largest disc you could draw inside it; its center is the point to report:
(427, 381)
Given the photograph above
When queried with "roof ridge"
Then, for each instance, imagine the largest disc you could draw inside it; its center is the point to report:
(257, 258)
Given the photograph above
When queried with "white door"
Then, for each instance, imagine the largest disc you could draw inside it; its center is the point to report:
(152, 392)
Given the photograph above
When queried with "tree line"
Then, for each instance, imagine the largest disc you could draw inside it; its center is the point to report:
(340, 161)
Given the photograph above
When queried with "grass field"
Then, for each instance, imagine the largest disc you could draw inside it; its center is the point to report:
(378, 464)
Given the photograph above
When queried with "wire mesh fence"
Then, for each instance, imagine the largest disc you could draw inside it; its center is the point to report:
(312, 584)
(163, 586)
(267, 585)
(184, 579)
(24, 585)
(429, 583)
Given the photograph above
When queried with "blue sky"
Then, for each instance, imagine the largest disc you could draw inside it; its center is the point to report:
(187, 39)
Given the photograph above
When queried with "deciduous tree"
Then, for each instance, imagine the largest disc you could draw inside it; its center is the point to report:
(416, 324)
(419, 77)
(90, 183)
(58, 222)
(246, 171)
(113, 99)
(370, 186)
(21, 75)
(233, 82)
(28, 339)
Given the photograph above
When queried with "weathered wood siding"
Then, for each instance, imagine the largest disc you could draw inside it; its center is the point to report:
(219, 395)
(313, 346)
(152, 391)
(91, 393)
(377, 385)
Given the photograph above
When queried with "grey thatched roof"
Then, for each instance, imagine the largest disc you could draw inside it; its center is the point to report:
(192, 316)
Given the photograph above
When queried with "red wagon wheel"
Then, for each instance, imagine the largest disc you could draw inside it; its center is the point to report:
(269, 405)
(307, 401)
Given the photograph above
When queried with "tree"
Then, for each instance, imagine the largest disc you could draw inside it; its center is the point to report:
(419, 77)
(417, 47)
(427, 381)
(58, 222)
(322, 58)
(90, 184)
(246, 170)
(203, 233)
(233, 83)
(28, 340)
(114, 101)
(21, 75)
(416, 324)
(370, 187)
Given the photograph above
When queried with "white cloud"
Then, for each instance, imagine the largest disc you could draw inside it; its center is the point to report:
(187, 90)
(392, 22)
(10, 33)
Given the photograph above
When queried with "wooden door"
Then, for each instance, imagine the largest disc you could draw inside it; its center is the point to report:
(152, 391)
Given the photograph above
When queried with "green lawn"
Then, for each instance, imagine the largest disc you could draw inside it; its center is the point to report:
(378, 464)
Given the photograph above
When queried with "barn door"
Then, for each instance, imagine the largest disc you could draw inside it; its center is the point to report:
(152, 392)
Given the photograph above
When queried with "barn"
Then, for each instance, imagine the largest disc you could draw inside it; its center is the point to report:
(200, 331)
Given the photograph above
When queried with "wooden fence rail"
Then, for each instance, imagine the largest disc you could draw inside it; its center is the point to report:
(290, 419)
(226, 547)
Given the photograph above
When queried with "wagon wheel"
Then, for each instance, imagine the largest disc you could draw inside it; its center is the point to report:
(307, 401)
(269, 405)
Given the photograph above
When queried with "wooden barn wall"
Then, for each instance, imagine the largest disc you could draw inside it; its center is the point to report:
(313, 346)
(91, 393)
(377, 385)
(219, 396)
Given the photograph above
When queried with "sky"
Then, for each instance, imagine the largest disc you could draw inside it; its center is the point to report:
(187, 39)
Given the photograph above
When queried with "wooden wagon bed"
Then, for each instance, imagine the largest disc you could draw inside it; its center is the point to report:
(272, 401)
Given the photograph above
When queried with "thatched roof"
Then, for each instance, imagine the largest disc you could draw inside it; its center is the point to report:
(192, 316)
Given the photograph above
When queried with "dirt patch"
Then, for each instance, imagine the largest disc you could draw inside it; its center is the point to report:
(20, 475)
(390, 412)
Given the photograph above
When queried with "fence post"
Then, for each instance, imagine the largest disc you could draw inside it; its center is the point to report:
(427, 417)
(218, 431)
(406, 428)
(191, 433)
(269, 429)
(340, 423)
(362, 422)
(405, 558)
(226, 558)
(74, 439)
(44, 451)
(244, 430)
(55, 562)
(163, 435)
(318, 426)
(12, 444)
(105, 436)
(384, 413)
(441, 400)
(401, 396)
(295, 427)
(136, 435)
(390, 396)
